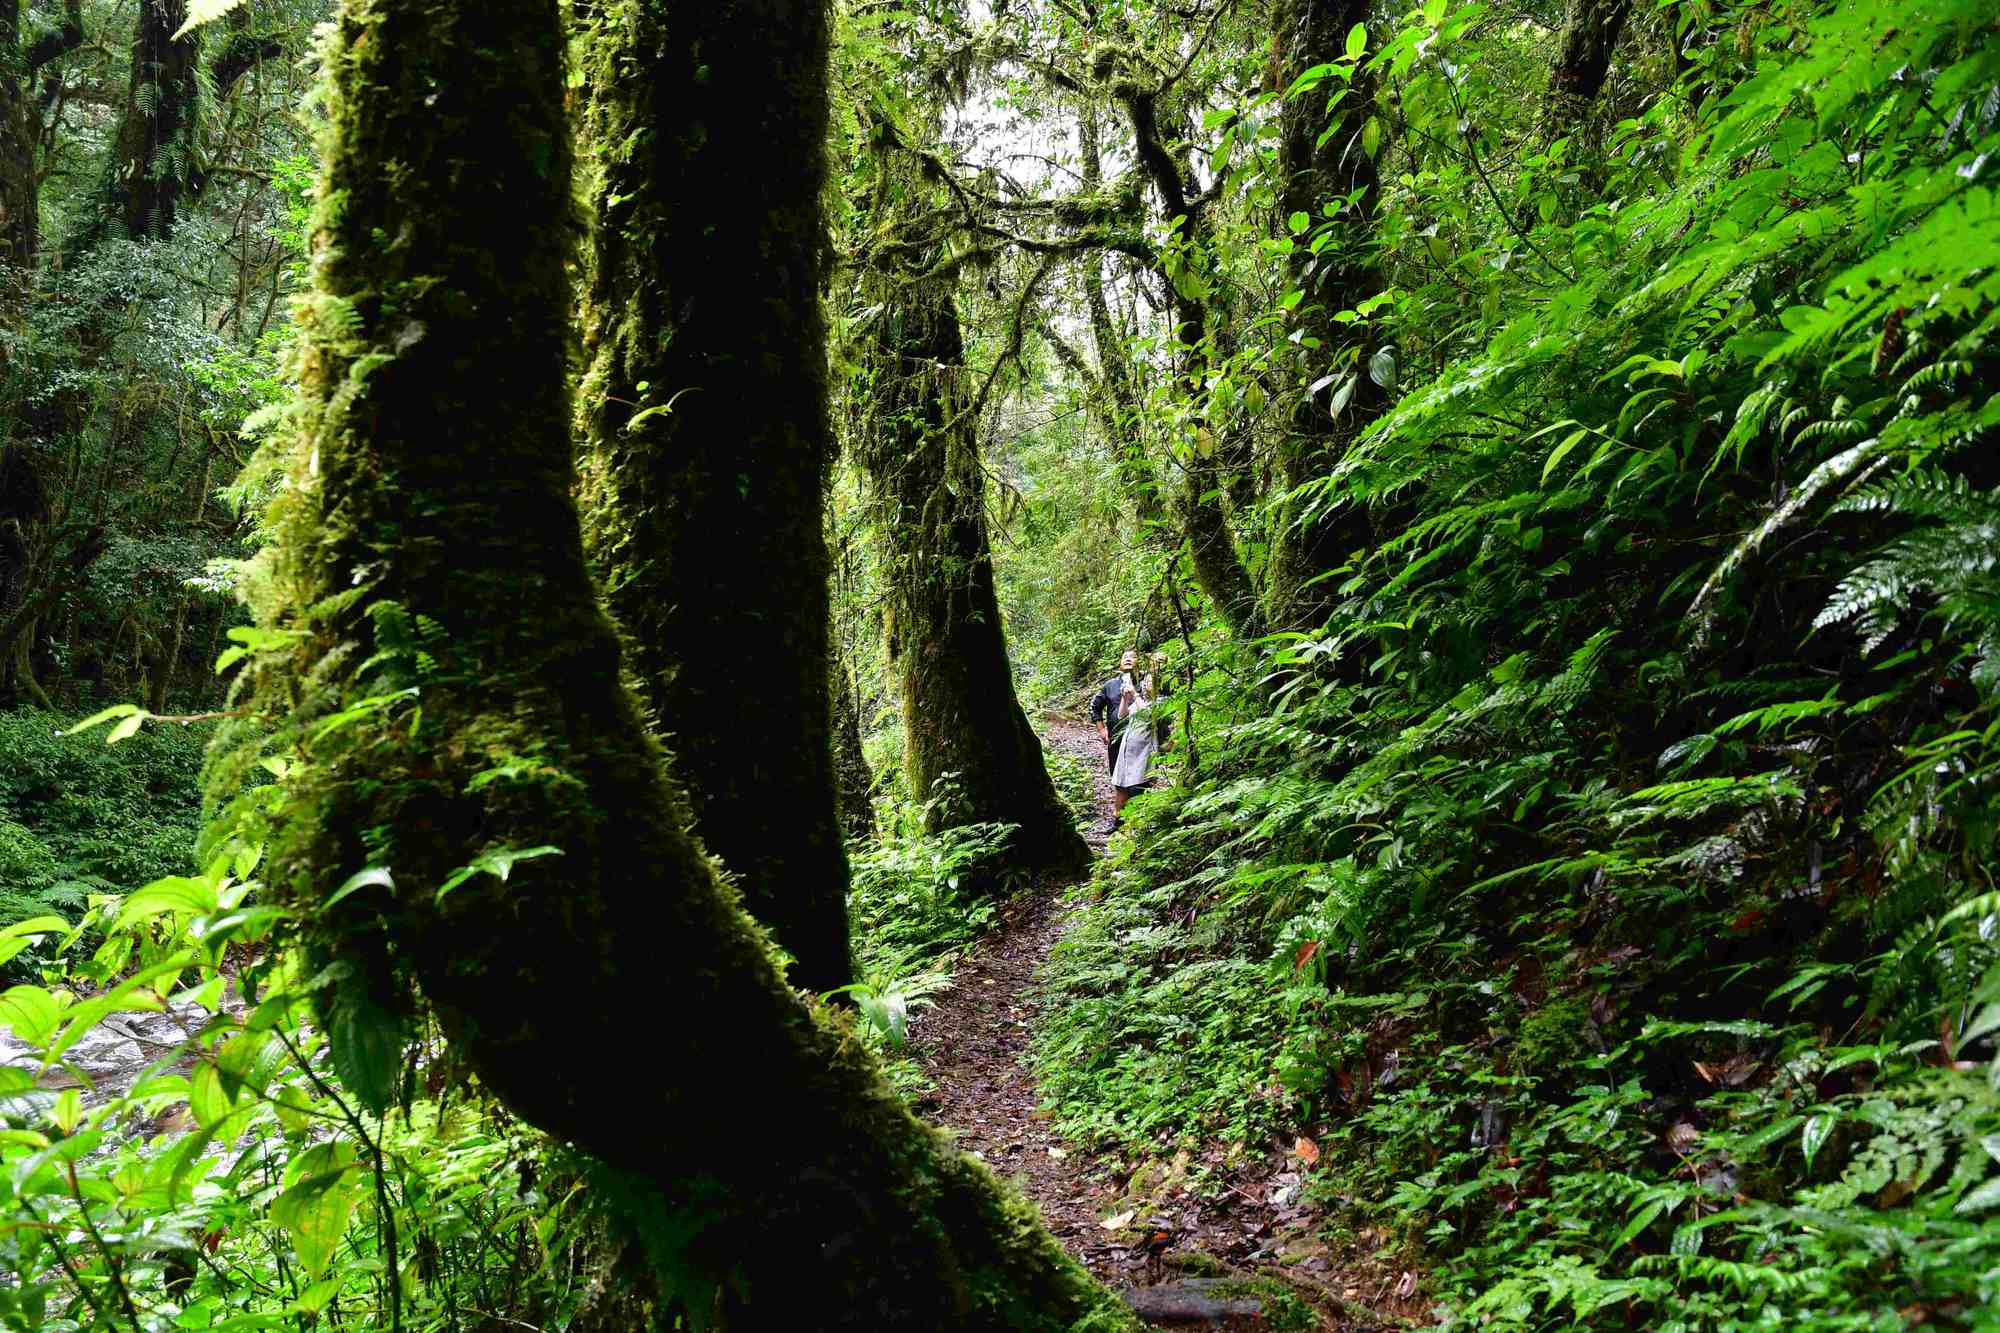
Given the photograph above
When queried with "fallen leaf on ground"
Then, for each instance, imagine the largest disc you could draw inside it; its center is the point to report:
(1306, 1150)
(1407, 1287)
(1120, 1222)
(1057, 1153)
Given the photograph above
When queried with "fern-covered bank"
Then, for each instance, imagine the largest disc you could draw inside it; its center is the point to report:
(1607, 885)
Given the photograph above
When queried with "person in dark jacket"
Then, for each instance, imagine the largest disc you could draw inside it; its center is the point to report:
(1104, 709)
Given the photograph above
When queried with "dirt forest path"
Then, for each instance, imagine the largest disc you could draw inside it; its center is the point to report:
(973, 1045)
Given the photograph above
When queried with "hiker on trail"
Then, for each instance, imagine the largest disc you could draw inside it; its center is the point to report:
(1144, 737)
(1104, 707)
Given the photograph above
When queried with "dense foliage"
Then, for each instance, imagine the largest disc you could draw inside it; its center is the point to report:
(1611, 874)
(1551, 439)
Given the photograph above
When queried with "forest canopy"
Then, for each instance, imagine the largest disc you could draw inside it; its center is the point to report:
(1040, 664)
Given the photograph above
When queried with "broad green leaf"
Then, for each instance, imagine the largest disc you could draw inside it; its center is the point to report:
(67, 1113)
(1979, 1200)
(373, 876)
(367, 1051)
(1816, 1132)
(1357, 41)
(322, 1187)
(103, 716)
(248, 1060)
(1561, 451)
(1640, 1221)
(208, 1098)
(31, 1012)
(175, 893)
(81, 1018)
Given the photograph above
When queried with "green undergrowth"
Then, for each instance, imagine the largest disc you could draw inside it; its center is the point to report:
(79, 818)
(1607, 886)
(913, 907)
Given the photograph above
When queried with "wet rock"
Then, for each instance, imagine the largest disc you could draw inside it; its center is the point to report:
(1205, 1299)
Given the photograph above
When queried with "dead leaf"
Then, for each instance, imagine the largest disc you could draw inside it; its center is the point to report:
(1407, 1287)
(1057, 1153)
(1682, 1136)
(1120, 1222)
(1305, 955)
(1306, 1150)
(1738, 1069)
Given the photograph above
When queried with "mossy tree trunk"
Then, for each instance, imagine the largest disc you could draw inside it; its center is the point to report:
(153, 159)
(967, 745)
(1583, 60)
(1119, 410)
(775, 1177)
(704, 411)
(1310, 539)
(1218, 569)
(854, 785)
(21, 127)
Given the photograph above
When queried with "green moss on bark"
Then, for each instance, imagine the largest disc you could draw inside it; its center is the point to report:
(704, 417)
(428, 543)
(1309, 541)
(967, 743)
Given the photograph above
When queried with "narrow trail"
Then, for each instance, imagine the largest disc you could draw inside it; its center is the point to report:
(973, 1046)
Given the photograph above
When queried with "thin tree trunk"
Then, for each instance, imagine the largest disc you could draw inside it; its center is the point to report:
(781, 1183)
(1308, 541)
(1211, 544)
(24, 667)
(1118, 411)
(967, 746)
(21, 129)
(704, 412)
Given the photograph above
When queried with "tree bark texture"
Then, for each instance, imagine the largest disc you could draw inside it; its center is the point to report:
(704, 411)
(777, 1181)
(854, 784)
(153, 159)
(962, 724)
(21, 128)
(1309, 539)
(1583, 60)
(1116, 403)
(1211, 544)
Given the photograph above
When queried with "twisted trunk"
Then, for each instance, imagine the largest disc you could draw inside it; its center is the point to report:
(1204, 519)
(433, 459)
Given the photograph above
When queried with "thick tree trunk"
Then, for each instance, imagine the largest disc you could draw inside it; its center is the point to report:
(18, 136)
(779, 1182)
(21, 130)
(153, 158)
(1311, 539)
(1583, 60)
(704, 411)
(967, 745)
